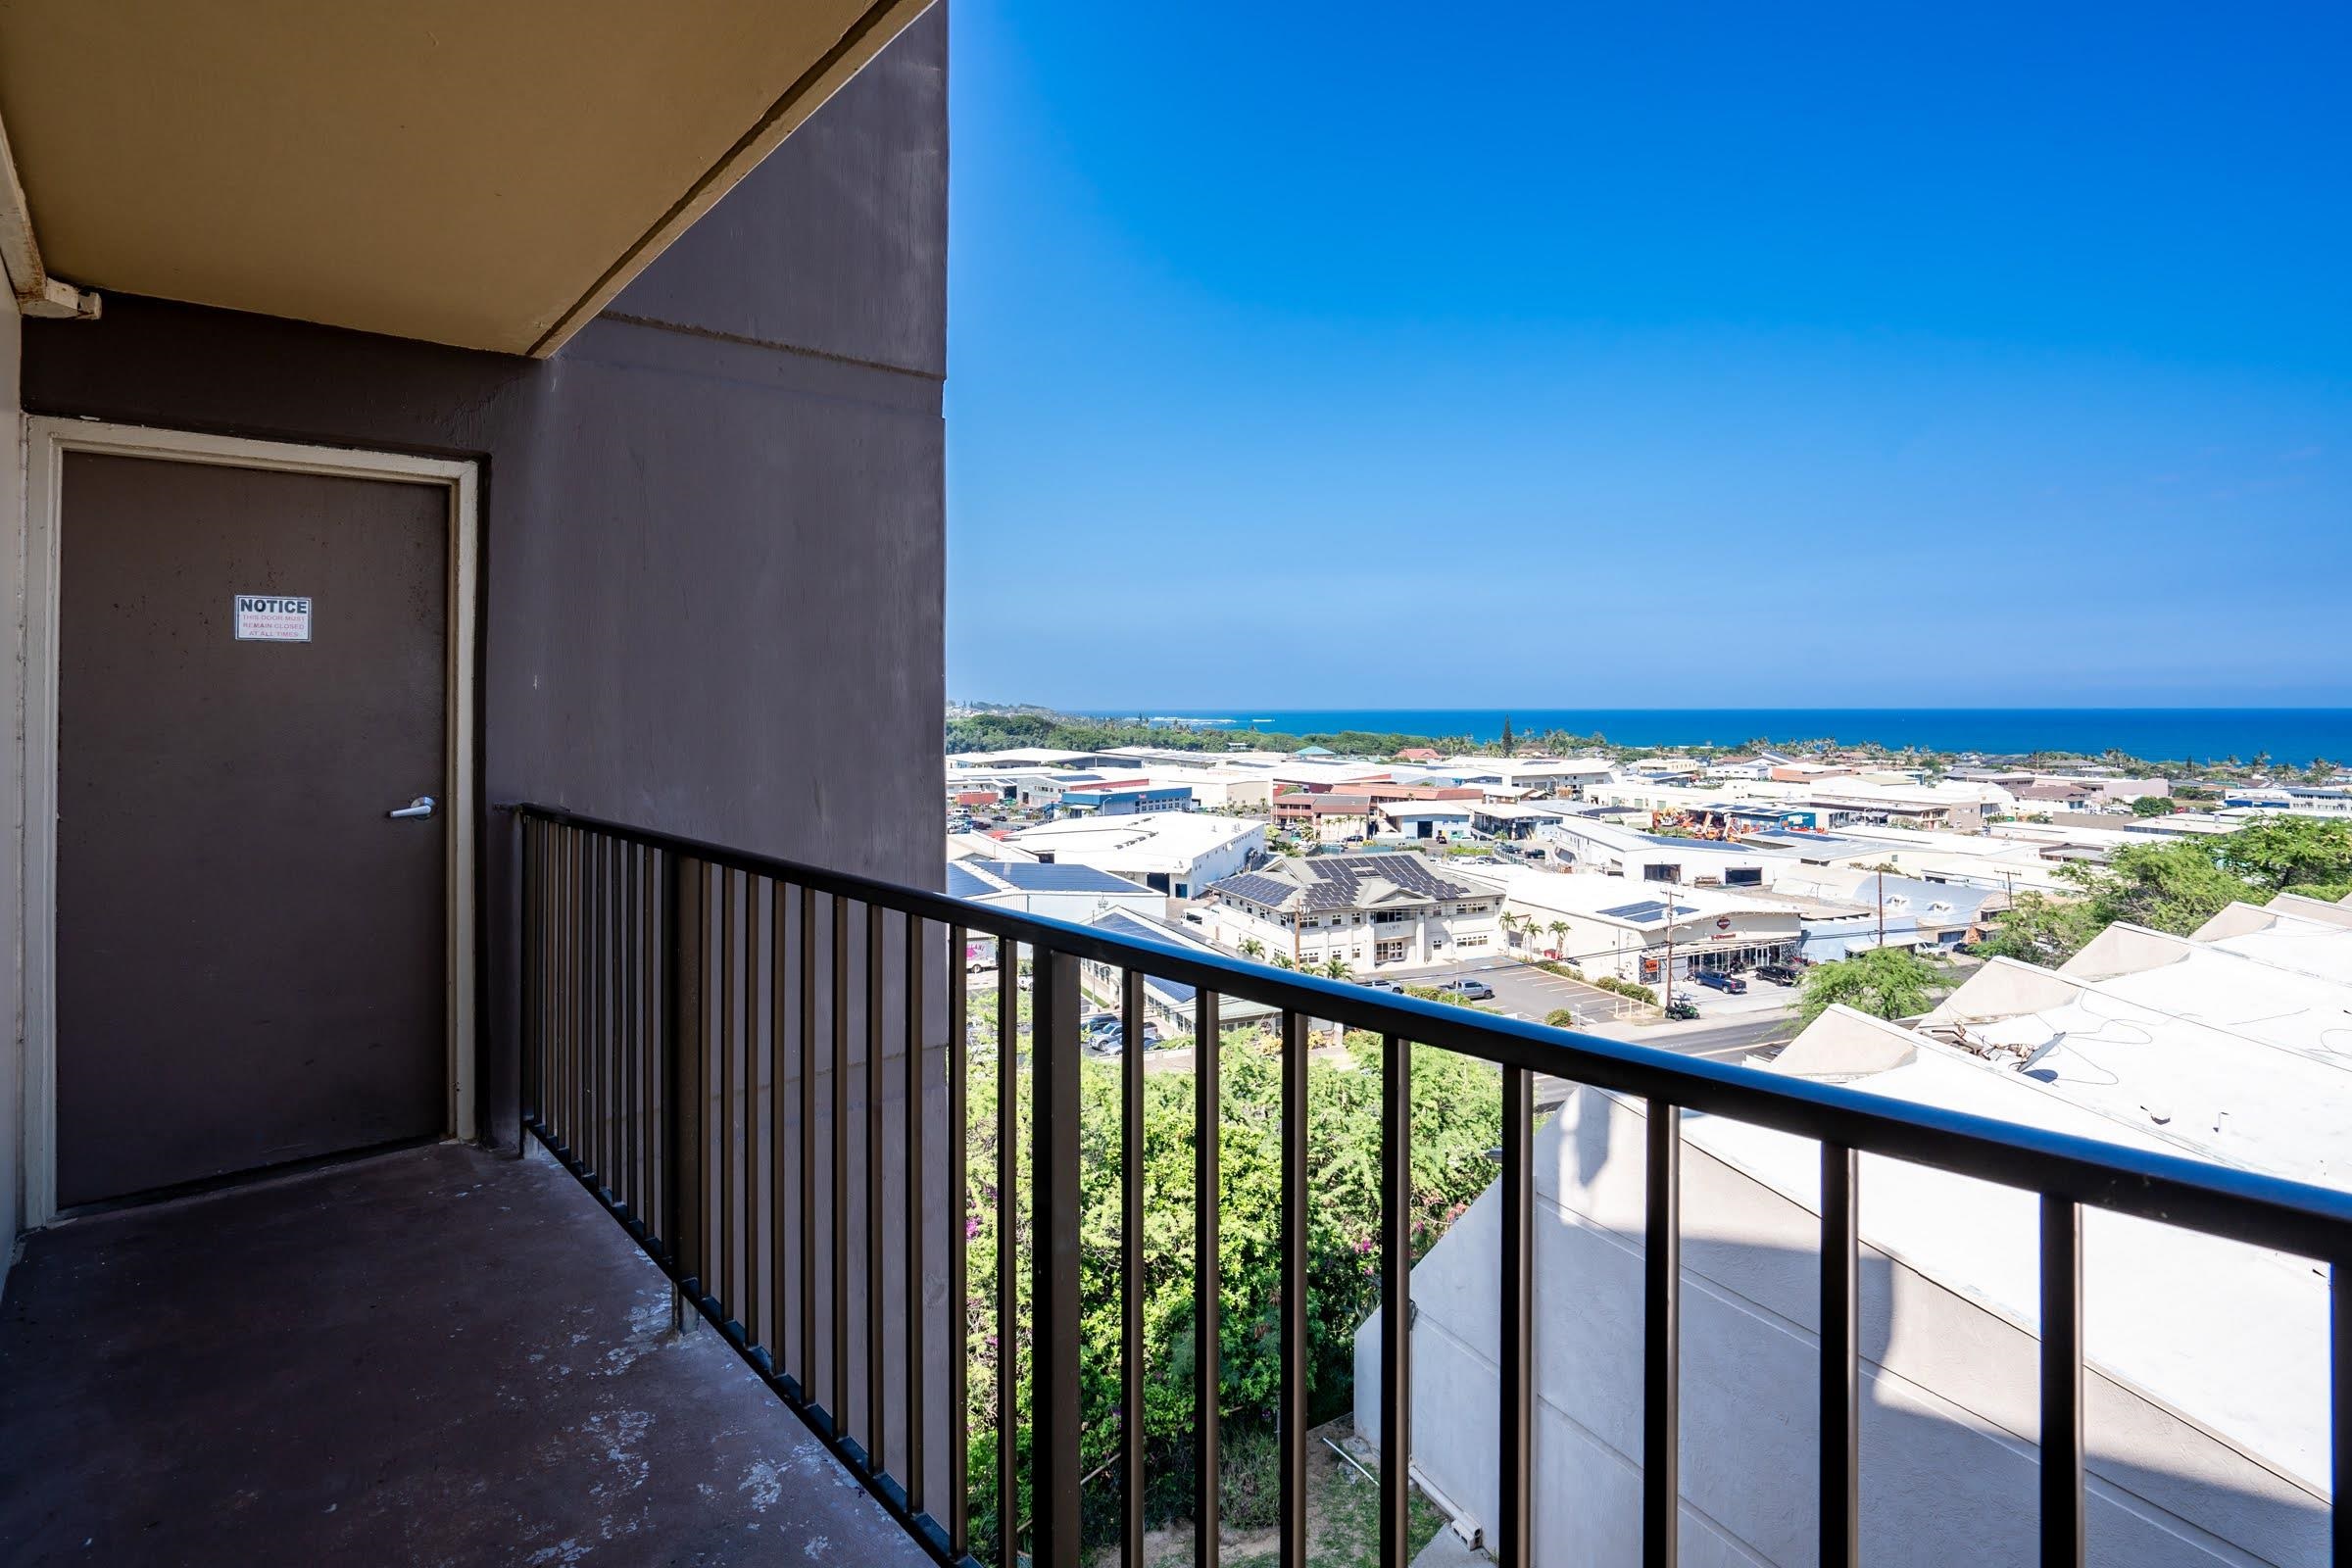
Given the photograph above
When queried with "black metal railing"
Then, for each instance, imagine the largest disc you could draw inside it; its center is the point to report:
(683, 1002)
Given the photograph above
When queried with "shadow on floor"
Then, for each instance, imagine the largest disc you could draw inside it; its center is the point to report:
(434, 1356)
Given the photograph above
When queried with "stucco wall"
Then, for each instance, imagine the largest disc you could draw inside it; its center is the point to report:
(713, 527)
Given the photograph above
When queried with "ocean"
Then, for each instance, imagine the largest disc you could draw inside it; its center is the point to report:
(2289, 735)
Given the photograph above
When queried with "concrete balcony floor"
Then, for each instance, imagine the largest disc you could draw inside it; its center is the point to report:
(432, 1357)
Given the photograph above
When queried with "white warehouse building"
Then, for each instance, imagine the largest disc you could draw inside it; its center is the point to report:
(2205, 1384)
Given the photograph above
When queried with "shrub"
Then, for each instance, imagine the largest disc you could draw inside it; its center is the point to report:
(1457, 1111)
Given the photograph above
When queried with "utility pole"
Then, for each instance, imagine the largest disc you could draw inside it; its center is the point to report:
(1670, 946)
(1881, 906)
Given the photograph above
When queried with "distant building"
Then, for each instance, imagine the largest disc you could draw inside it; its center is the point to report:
(1370, 911)
(2295, 800)
(1175, 854)
(1608, 925)
(1125, 798)
(1074, 892)
(1168, 1004)
(1596, 844)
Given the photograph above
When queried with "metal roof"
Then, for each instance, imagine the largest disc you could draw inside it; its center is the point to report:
(1047, 876)
(1338, 882)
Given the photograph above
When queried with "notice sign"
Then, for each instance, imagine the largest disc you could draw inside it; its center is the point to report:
(272, 618)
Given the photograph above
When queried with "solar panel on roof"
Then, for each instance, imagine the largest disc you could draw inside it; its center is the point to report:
(1050, 876)
(961, 884)
(1646, 910)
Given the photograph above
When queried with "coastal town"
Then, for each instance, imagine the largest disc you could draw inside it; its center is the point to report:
(2095, 949)
(1682, 895)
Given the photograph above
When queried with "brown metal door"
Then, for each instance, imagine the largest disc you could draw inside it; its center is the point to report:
(250, 952)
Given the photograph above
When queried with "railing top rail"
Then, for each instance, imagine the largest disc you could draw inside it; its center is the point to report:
(2222, 1201)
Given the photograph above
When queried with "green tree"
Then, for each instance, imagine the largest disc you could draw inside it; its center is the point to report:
(2040, 929)
(1456, 1110)
(2290, 853)
(1252, 948)
(1884, 982)
(1510, 745)
(2174, 887)
(1335, 968)
(2152, 806)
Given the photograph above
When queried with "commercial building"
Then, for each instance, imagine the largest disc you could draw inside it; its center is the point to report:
(2293, 799)
(1369, 911)
(1566, 778)
(1427, 820)
(1124, 798)
(1078, 894)
(1176, 854)
(1597, 845)
(1879, 910)
(1606, 924)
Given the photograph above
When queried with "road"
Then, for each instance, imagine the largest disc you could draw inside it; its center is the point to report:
(1730, 1041)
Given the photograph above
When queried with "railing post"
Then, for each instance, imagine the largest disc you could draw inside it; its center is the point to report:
(1396, 1297)
(954, 1065)
(534, 923)
(1131, 1267)
(1841, 1359)
(2340, 1408)
(1662, 1341)
(1515, 1439)
(682, 980)
(1208, 1134)
(2061, 1382)
(1053, 1292)
(1290, 1434)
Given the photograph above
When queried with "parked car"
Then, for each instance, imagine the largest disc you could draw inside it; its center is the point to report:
(1679, 1011)
(1374, 983)
(1112, 1042)
(1468, 989)
(1731, 984)
(1779, 974)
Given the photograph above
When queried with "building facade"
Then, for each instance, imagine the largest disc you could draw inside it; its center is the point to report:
(1371, 912)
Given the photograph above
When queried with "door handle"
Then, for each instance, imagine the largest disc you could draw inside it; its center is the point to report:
(422, 806)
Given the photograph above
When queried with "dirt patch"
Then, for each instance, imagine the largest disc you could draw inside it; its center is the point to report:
(1342, 1520)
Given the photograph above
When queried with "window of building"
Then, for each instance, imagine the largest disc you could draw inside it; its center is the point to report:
(1390, 952)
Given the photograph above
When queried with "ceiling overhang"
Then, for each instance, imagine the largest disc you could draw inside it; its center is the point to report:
(481, 174)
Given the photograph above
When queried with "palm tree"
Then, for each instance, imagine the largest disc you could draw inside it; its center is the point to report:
(1252, 948)
(1559, 935)
(1336, 968)
(1510, 924)
(1283, 960)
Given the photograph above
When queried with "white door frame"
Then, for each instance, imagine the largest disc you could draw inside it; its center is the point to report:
(47, 441)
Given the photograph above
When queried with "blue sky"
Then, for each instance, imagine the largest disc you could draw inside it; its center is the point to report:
(1649, 356)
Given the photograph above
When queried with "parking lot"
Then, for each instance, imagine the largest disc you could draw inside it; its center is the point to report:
(1536, 993)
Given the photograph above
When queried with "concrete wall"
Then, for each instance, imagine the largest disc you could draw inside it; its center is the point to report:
(713, 527)
(1949, 1405)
